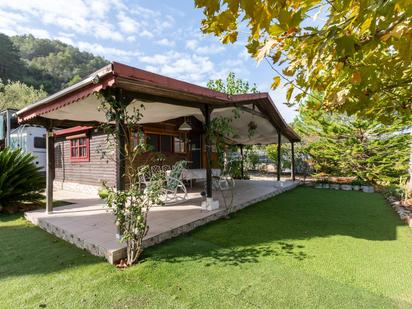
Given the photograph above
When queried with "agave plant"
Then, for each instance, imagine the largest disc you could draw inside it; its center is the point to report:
(20, 180)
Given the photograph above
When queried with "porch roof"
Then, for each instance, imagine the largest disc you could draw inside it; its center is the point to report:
(164, 98)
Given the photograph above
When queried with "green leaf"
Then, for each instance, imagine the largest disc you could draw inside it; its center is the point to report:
(345, 46)
(276, 82)
(275, 30)
(289, 93)
(366, 24)
(230, 37)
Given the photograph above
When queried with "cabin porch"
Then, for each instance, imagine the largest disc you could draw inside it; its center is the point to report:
(87, 224)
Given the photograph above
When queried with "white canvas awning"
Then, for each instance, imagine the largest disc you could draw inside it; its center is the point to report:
(162, 99)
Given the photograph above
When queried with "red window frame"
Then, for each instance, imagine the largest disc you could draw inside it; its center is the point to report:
(80, 152)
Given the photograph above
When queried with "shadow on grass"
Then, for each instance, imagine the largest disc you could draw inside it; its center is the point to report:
(276, 227)
(236, 256)
(282, 223)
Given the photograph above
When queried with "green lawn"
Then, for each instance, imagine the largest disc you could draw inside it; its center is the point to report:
(304, 248)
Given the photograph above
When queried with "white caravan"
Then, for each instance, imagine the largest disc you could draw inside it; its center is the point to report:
(31, 139)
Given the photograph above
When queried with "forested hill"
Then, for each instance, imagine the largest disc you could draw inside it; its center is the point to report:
(49, 64)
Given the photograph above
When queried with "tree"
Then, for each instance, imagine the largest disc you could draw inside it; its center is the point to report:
(220, 126)
(232, 85)
(360, 56)
(130, 205)
(43, 63)
(18, 95)
(341, 145)
(10, 63)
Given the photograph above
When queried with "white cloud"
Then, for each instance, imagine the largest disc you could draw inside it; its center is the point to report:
(244, 54)
(166, 42)
(107, 31)
(146, 34)
(205, 49)
(191, 68)
(131, 38)
(65, 39)
(107, 52)
(76, 16)
(14, 24)
(126, 23)
(143, 12)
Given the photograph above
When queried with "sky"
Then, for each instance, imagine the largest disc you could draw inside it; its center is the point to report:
(159, 36)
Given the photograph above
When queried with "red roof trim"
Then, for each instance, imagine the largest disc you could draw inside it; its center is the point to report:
(72, 130)
(129, 72)
(68, 98)
(115, 70)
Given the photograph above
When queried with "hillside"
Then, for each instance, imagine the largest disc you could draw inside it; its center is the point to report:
(43, 63)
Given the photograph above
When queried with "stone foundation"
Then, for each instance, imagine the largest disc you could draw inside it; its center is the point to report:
(75, 187)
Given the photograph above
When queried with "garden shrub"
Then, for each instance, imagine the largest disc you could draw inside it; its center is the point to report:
(20, 180)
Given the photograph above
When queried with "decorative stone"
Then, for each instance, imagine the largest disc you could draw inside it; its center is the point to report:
(356, 188)
(325, 186)
(368, 189)
(335, 186)
(346, 187)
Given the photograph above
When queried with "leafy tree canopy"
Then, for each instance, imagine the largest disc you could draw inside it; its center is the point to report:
(360, 56)
(18, 95)
(341, 145)
(233, 85)
(45, 63)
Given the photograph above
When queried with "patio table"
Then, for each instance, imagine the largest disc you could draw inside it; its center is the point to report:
(197, 174)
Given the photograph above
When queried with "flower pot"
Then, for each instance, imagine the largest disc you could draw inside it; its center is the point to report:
(325, 186)
(367, 189)
(335, 186)
(346, 187)
(356, 187)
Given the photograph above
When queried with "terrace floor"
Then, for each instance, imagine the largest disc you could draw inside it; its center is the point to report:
(87, 224)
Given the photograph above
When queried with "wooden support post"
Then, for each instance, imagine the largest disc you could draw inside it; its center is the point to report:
(207, 112)
(279, 164)
(121, 132)
(120, 166)
(292, 163)
(241, 162)
(49, 169)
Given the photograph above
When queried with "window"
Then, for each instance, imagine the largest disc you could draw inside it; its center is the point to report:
(160, 143)
(39, 142)
(179, 145)
(153, 142)
(166, 143)
(79, 149)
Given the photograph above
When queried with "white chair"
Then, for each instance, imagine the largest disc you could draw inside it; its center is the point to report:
(165, 168)
(156, 169)
(175, 190)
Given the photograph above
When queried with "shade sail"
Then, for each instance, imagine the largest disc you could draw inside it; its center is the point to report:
(163, 99)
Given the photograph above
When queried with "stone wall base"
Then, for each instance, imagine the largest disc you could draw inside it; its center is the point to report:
(75, 187)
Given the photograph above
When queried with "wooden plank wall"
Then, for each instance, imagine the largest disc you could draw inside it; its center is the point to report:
(100, 168)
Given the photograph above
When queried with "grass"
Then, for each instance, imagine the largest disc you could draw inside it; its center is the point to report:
(304, 248)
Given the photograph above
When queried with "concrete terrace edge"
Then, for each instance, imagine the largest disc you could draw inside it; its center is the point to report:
(114, 255)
